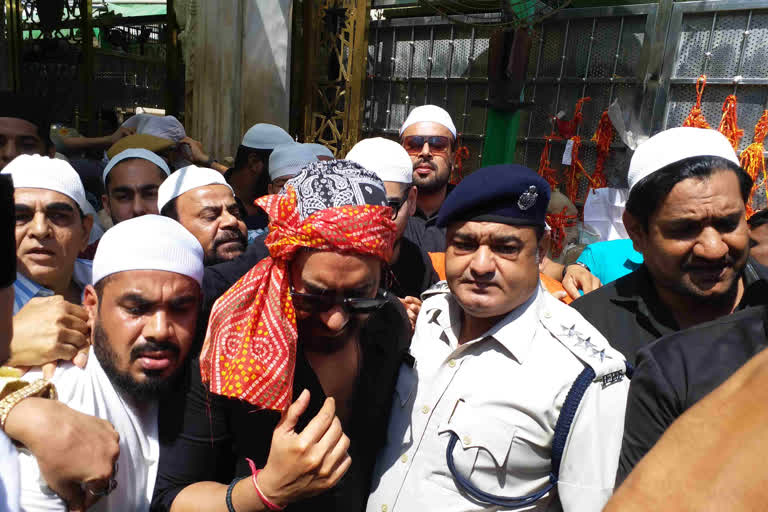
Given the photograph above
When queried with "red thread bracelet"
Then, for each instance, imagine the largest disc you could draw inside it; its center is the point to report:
(254, 473)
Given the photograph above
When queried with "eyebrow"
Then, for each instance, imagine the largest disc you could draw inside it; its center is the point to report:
(210, 209)
(318, 288)
(140, 188)
(496, 240)
(136, 298)
(21, 207)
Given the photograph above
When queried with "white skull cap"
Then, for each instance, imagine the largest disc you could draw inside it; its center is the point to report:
(265, 136)
(385, 158)
(289, 159)
(186, 179)
(430, 114)
(35, 171)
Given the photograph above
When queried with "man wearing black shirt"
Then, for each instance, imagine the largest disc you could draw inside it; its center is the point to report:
(351, 340)
(685, 214)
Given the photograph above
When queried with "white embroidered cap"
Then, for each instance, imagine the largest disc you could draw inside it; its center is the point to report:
(149, 242)
(144, 154)
(674, 145)
(431, 114)
(35, 171)
(265, 136)
(384, 157)
(186, 179)
(289, 159)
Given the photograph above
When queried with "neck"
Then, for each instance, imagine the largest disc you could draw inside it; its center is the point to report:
(337, 372)
(473, 327)
(688, 311)
(244, 185)
(429, 203)
(66, 288)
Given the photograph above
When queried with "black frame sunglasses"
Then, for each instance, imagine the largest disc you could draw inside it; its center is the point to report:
(438, 144)
(396, 204)
(316, 303)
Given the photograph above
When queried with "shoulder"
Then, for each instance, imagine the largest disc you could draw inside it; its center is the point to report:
(579, 337)
(625, 286)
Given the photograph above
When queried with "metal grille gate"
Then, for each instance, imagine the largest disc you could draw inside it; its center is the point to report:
(414, 61)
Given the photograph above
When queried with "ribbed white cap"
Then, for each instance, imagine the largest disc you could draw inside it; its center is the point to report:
(384, 157)
(431, 114)
(166, 127)
(265, 136)
(149, 242)
(320, 150)
(35, 171)
(289, 159)
(184, 180)
(144, 154)
(674, 145)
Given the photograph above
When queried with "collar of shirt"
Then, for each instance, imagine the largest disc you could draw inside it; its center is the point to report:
(26, 289)
(515, 331)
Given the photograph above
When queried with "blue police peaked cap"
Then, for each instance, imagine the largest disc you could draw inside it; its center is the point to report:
(507, 194)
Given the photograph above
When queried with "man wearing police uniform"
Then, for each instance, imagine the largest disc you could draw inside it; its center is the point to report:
(508, 398)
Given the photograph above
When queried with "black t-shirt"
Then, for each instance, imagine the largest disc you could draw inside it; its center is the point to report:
(413, 272)
(629, 313)
(677, 371)
(206, 437)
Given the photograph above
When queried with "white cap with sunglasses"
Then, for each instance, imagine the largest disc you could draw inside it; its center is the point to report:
(429, 114)
(386, 158)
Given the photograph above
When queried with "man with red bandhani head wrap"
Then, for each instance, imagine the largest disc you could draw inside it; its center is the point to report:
(293, 386)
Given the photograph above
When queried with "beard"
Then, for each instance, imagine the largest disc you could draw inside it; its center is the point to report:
(435, 181)
(152, 387)
(313, 338)
(212, 257)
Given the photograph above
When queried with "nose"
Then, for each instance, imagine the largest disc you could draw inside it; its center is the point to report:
(139, 208)
(335, 319)
(425, 150)
(710, 245)
(227, 220)
(482, 263)
(158, 326)
(39, 227)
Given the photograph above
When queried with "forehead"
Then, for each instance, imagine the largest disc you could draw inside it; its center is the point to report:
(208, 195)
(490, 230)
(156, 285)
(135, 171)
(336, 270)
(15, 127)
(395, 189)
(720, 190)
(427, 128)
(32, 196)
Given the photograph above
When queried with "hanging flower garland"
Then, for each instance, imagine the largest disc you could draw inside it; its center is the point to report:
(696, 118)
(545, 169)
(457, 172)
(729, 124)
(752, 160)
(602, 138)
(568, 129)
(558, 222)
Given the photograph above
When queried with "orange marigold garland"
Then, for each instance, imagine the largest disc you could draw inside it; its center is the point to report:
(545, 169)
(602, 137)
(696, 118)
(752, 159)
(729, 123)
(558, 222)
(457, 173)
(567, 130)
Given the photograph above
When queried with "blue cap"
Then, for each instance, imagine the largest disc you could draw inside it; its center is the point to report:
(506, 194)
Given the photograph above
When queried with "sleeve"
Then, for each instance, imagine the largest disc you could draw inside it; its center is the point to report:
(591, 455)
(587, 257)
(652, 406)
(195, 440)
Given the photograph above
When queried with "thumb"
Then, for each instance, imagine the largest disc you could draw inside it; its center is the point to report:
(48, 370)
(74, 496)
(291, 416)
(82, 357)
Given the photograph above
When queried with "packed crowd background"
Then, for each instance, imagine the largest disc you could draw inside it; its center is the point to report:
(305, 332)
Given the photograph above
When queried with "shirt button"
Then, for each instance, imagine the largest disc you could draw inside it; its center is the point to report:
(467, 440)
(425, 409)
(547, 314)
(452, 363)
(384, 508)
(404, 458)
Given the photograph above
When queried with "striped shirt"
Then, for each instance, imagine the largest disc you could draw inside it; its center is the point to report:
(26, 289)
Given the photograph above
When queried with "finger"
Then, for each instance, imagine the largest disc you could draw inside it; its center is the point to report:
(560, 295)
(72, 337)
(570, 287)
(291, 416)
(329, 439)
(75, 310)
(81, 358)
(339, 471)
(62, 351)
(321, 422)
(48, 370)
(335, 457)
(75, 323)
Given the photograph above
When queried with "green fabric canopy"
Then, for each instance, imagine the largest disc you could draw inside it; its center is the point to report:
(137, 9)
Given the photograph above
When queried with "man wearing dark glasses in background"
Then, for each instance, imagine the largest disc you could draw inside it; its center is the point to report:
(306, 332)
(429, 137)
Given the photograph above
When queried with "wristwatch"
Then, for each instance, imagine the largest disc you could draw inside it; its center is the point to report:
(582, 265)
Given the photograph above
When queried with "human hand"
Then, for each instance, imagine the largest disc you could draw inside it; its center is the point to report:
(578, 278)
(49, 329)
(198, 154)
(121, 132)
(303, 465)
(412, 307)
(72, 449)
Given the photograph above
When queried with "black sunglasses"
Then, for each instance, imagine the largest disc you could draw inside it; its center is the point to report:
(396, 204)
(316, 303)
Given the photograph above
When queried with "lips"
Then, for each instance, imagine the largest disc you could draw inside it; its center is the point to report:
(157, 361)
(39, 252)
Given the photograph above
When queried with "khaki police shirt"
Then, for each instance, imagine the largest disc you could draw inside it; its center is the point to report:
(501, 394)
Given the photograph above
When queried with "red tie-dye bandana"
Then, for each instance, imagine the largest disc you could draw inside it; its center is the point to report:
(249, 351)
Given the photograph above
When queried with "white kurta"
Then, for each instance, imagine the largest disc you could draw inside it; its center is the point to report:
(90, 391)
(501, 394)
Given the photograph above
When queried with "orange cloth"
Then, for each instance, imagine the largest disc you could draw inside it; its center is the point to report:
(552, 286)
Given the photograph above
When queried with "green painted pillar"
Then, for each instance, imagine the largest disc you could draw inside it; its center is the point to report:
(500, 137)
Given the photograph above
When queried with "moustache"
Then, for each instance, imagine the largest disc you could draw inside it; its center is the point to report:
(425, 163)
(153, 346)
(229, 236)
(694, 266)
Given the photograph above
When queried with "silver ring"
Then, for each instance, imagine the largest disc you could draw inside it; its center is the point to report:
(111, 486)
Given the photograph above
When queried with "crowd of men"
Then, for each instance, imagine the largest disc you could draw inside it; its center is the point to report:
(308, 332)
